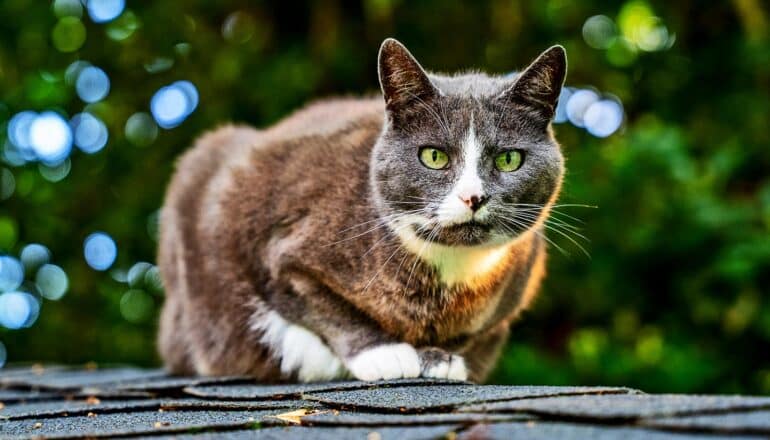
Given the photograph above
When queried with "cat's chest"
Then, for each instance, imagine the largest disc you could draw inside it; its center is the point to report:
(437, 312)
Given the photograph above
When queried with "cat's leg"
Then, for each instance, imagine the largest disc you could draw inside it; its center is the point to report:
(439, 364)
(483, 352)
(365, 351)
(385, 361)
(172, 345)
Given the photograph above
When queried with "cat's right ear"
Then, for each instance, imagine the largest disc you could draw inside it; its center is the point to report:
(539, 85)
(403, 81)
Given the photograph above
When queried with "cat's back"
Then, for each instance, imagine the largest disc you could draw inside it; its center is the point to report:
(235, 170)
(327, 118)
(219, 153)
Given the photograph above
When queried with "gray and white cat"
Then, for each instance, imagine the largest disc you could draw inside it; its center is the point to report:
(365, 238)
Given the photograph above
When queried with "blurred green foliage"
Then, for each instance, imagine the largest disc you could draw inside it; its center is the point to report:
(675, 294)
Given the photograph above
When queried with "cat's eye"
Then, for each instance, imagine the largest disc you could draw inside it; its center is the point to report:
(508, 161)
(433, 158)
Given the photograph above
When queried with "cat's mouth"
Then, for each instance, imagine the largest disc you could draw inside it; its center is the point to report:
(470, 233)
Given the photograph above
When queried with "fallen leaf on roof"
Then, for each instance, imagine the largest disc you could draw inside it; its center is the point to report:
(295, 417)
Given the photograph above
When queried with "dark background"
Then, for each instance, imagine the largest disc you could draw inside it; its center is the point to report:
(674, 294)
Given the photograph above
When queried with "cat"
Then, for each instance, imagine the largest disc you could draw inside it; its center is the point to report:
(375, 238)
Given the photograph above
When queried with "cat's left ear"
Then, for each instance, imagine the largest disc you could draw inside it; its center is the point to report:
(403, 80)
(539, 85)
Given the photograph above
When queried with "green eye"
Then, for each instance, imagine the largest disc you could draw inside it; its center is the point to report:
(433, 158)
(508, 161)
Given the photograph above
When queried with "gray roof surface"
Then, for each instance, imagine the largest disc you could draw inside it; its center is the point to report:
(63, 402)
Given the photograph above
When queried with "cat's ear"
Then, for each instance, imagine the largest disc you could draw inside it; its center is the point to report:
(403, 80)
(539, 85)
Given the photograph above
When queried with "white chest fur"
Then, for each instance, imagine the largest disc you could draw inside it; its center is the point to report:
(469, 265)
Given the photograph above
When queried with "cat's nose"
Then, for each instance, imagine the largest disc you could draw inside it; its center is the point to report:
(475, 202)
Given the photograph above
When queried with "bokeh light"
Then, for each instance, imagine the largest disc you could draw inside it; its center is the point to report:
(100, 251)
(102, 11)
(123, 27)
(11, 273)
(238, 27)
(90, 132)
(172, 104)
(136, 305)
(190, 92)
(69, 34)
(50, 137)
(142, 275)
(599, 31)
(33, 256)
(18, 133)
(578, 103)
(603, 117)
(636, 29)
(72, 71)
(20, 299)
(92, 84)
(141, 129)
(55, 173)
(585, 108)
(3, 355)
(51, 281)
(560, 115)
(622, 52)
(18, 310)
(65, 8)
(12, 155)
(159, 64)
(152, 280)
(7, 183)
(136, 274)
(640, 26)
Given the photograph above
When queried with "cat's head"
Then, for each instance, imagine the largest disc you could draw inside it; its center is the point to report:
(469, 159)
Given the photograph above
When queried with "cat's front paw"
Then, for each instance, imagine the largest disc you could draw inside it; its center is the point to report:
(390, 361)
(439, 364)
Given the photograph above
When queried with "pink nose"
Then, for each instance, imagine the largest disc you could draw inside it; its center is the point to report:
(475, 202)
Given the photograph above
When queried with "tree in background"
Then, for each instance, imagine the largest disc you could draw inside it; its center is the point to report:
(664, 127)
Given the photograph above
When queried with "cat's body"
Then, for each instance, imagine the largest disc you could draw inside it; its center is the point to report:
(285, 255)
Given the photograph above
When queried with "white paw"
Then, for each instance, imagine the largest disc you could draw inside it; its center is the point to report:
(453, 369)
(391, 361)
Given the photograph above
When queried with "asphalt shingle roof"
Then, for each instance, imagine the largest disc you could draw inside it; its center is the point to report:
(60, 402)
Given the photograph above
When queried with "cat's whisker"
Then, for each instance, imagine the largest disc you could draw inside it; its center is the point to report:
(441, 123)
(384, 237)
(443, 112)
(554, 209)
(553, 221)
(564, 233)
(568, 237)
(538, 233)
(376, 274)
(556, 205)
(383, 223)
(534, 218)
(556, 212)
(421, 198)
(383, 219)
(429, 239)
(398, 270)
(398, 248)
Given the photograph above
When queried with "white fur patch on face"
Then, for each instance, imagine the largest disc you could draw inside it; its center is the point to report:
(452, 209)
(389, 361)
(299, 349)
(453, 369)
